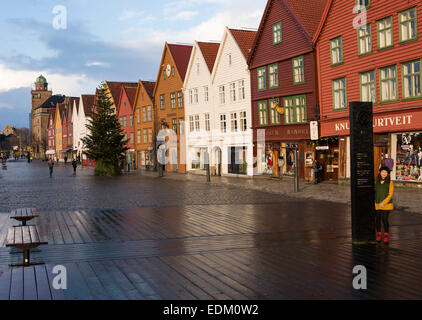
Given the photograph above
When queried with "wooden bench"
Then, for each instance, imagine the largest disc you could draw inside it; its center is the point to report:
(24, 215)
(25, 238)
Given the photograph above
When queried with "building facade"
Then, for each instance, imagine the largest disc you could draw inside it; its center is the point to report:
(169, 105)
(51, 150)
(284, 87)
(378, 62)
(144, 126)
(199, 105)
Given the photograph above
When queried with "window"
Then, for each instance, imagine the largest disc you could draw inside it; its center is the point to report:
(263, 113)
(339, 94)
(233, 118)
(138, 137)
(149, 108)
(164, 74)
(131, 120)
(206, 94)
(150, 135)
(138, 115)
(411, 79)
(121, 121)
(182, 126)
(191, 96)
(180, 99)
(233, 92)
(298, 70)
(273, 75)
(336, 51)
(162, 106)
(230, 59)
(295, 109)
(172, 71)
(173, 100)
(207, 122)
(197, 68)
(223, 124)
(385, 33)
(191, 124)
(262, 78)
(174, 125)
(364, 3)
(388, 84)
(274, 115)
(242, 95)
(243, 121)
(124, 122)
(132, 138)
(145, 136)
(368, 90)
(277, 37)
(222, 95)
(196, 95)
(365, 39)
(144, 114)
(197, 123)
(408, 25)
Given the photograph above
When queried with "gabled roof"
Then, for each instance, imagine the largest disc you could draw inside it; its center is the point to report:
(181, 55)
(61, 107)
(131, 94)
(52, 101)
(88, 102)
(71, 101)
(245, 40)
(149, 88)
(308, 13)
(115, 88)
(209, 52)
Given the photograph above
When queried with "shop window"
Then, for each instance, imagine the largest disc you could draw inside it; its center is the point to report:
(198, 158)
(368, 90)
(385, 33)
(388, 84)
(408, 25)
(365, 39)
(237, 160)
(409, 157)
(411, 79)
(339, 94)
(336, 46)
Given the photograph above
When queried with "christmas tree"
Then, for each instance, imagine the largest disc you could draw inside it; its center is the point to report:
(106, 142)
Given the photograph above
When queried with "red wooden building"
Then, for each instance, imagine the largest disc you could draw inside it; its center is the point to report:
(125, 116)
(378, 61)
(284, 86)
(51, 134)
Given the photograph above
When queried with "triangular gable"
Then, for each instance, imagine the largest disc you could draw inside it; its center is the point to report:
(181, 55)
(209, 52)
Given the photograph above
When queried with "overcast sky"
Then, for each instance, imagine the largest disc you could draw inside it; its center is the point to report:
(104, 40)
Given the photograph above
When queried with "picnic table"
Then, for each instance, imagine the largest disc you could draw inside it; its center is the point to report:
(24, 215)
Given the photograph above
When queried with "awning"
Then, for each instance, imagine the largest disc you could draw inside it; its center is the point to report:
(50, 152)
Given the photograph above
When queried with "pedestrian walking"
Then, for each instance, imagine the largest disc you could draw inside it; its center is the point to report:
(74, 165)
(51, 166)
(384, 191)
(317, 170)
(65, 160)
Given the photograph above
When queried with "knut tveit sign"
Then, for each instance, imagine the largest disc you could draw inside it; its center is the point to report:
(382, 123)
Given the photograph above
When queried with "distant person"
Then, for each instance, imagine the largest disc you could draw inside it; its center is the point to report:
(51, 167)
(74, 165)
(384, 191)
(65, 160)
(317, 168)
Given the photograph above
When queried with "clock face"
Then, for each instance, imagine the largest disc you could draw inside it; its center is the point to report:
(168, 70)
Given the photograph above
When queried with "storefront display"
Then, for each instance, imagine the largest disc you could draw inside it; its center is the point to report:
(409, 157)
(237, 163)
(198, 158)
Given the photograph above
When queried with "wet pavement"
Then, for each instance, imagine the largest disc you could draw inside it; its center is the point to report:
(140, 237)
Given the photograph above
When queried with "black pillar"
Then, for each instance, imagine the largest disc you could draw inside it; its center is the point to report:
(362, 171)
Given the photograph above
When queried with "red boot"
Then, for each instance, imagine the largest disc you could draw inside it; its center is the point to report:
(386, 236)
(378, 236)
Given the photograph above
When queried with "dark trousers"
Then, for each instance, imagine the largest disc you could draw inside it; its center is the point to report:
(51, 172)
(382, 215)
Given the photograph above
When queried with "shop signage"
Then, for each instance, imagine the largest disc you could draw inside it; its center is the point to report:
(362, 171)
(314, 130)
(322, 148)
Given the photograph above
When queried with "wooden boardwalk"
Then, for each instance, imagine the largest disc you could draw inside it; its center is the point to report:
(212, 252)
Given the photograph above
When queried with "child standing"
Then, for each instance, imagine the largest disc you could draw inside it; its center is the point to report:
(384, 190)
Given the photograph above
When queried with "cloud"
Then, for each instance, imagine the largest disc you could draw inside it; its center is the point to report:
(96, 64)
(184, 15)
(17, 105)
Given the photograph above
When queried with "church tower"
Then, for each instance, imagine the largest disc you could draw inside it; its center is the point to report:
(41, 93)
